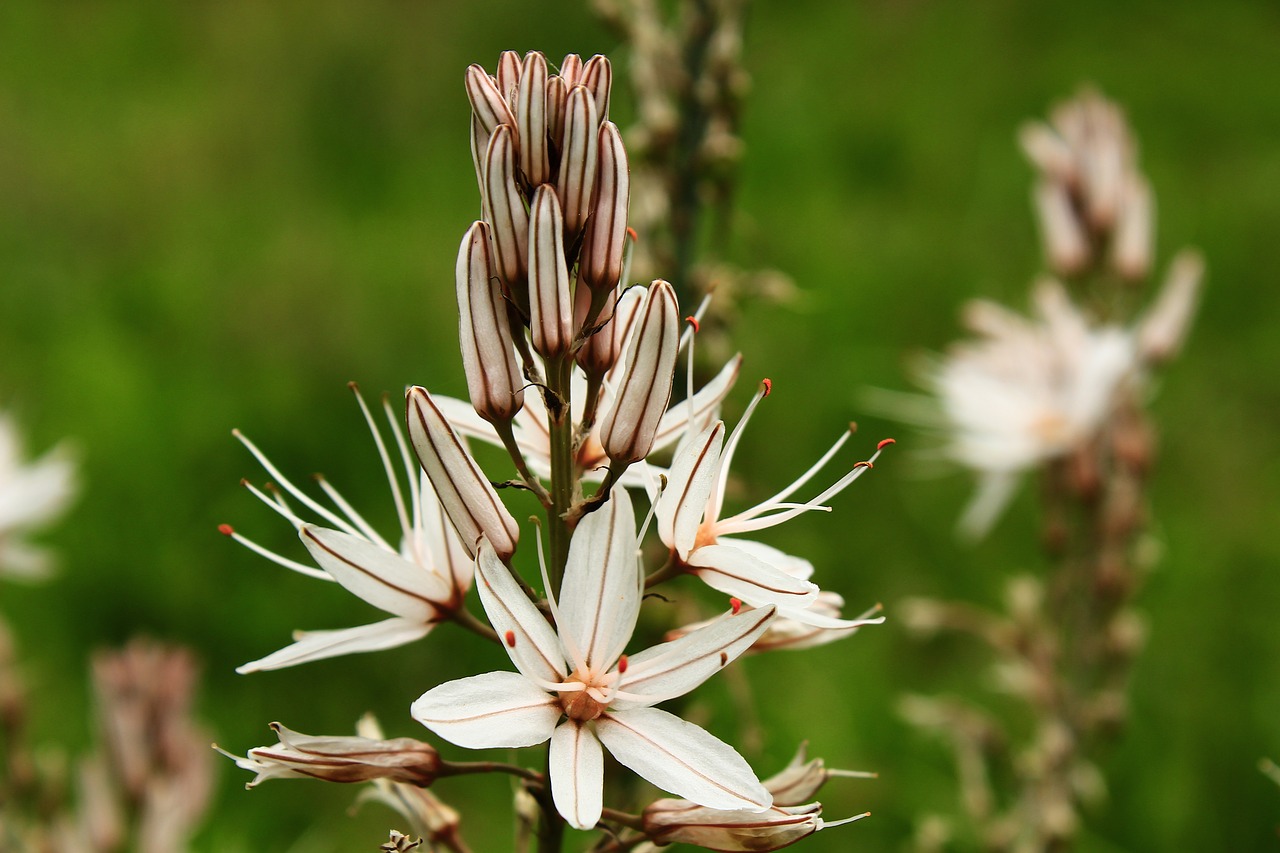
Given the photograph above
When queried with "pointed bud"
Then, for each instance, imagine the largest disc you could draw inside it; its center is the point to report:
(508, 76)
(578, 159)
(600, 350)
(479, 145)
(487, 102)
(557, 100)
(605, 241)
(571, 69)
(550, 302)
(504, 208)
(493, 378)
(342, 759)
(644, 389)
(597, 76)
(531, 119)
(468, 498)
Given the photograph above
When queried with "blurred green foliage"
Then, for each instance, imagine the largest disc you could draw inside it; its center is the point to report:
(215, 214)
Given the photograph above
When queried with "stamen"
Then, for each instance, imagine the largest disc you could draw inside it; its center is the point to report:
(726, 457)
(510, 637)
(768, 386)
(735, 604)
(293, 566)
(835, 823)
(852, 774)
(774, 502)
(341, 503)
(302, 496)
(576, 657)
(396, 494)
(885, 443)
(277, 505)
(693, 321)
(622, 665)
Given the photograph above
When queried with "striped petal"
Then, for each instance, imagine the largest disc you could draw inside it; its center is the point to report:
(385, 580)
(528, 638)
(496, 709)
(318, 645)
(735, 572)
(689, 483)
(576, 765)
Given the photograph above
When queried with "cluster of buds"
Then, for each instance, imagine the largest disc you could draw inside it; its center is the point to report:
(571, 372)
(1095, 206)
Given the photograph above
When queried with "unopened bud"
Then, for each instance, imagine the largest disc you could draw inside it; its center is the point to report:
(484, 332)
(531, 119)
(1066, 247)
(600, 350)
(577, 177)
(488, 104)
(571, 69)
(557, 101)
(342, 759)
(644, 389)
(504, 208)
(1132, 239)
(468, 498)
(508, 76)
(597, 76)
(550, 302)
(682, 822)
(605, 241)
(1163, 329)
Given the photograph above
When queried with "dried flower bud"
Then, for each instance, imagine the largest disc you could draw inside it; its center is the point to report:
(468, 498)
(531, 119)
(550, 302)
(605, 240)
(342, 759)
(493, 378)
(629, 427)
(487, 102)
(1162, 330)
(601, 348)
(508, 76)
(597, 76)
(571, 69)
(578, 159)
(504, 208)
(680, 821)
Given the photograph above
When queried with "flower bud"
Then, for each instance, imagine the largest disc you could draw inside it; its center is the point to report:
(531, 119)
(504, 208)
(597, 76)
(342, 759)
(468, 498)
(1066, 247)
(550, 302)
(557, 99)
(1131, 241)
(493, 378)
(571, 69)
(487, 102)
(1164, 327)
(605, 240)
(578, 159)
(600, 350)
(682, 822)
(508, 76)
(644, 389)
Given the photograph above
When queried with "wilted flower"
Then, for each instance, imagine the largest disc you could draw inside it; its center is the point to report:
(420, 582)
(32, 494)
(341, 759)
(601, 696)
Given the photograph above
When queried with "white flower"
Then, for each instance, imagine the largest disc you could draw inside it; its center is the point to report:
(577, 689)
(1026, 391)
(419, 582)
(32, 494)
(690, 523)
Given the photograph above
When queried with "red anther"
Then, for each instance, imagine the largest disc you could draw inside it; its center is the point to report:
(858, 465)
(736, 604)
(226, 529)
(693, 321)
(622, 664)
(631, 232)
(510, 637)
(724, 658)
(885, 443)
(768, 386)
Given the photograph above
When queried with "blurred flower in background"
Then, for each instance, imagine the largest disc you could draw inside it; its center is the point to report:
(32, 494)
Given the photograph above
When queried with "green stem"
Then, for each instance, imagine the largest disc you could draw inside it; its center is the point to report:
(563, 475)
(508, 437)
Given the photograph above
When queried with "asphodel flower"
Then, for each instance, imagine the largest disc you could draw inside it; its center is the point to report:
(341, 759)
(575, 687)
(690, 523)
(420, 581)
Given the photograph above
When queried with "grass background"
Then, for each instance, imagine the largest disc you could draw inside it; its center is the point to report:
(215, 214)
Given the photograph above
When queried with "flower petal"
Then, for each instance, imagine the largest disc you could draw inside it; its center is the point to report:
(684, 501)
(600, 596)
(681, 758)
(526, 635)
(737, 573)
(576, 763)
(318, 645)
(796, 567)
(673, 669)
(382, 578)
(490, 710)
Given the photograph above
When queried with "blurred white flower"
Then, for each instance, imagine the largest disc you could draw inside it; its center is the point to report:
(32, 494)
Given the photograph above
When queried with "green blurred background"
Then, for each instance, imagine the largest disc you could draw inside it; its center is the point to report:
(215, 214)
